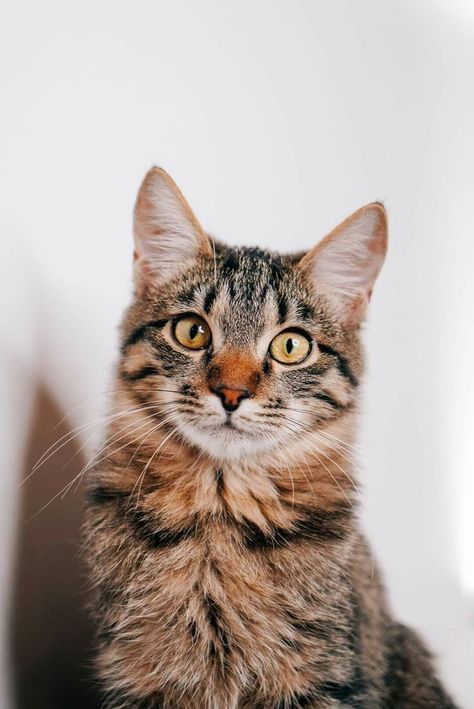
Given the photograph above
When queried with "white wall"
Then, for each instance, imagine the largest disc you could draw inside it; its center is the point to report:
(277, 119)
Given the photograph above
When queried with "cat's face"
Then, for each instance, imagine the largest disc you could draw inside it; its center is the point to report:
(245, 351)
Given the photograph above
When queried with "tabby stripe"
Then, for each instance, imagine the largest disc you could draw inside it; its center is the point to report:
(348, 693)
(324, 396)
(342, 363)
(296, 702)
(219, 481)
(209, 299)
(214, 618)
(100, 495)
(188, 297)
(193, 630)
(231, 262)
(147, 371)
(155, 538)
(282, 309)
(163, 538)
(317, 526)
(142, 332)
(118, 699)
(322, 630)
(291, 644)
(304, 311)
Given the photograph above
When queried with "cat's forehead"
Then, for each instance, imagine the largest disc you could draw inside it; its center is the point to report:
(250, 275)
(246, 291)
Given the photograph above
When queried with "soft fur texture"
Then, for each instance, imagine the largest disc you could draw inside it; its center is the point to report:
(224, 545)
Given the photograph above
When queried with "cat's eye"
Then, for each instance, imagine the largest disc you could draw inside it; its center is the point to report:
(290, 347)
(192, 332)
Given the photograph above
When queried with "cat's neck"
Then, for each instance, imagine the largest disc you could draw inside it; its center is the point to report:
(177, 483)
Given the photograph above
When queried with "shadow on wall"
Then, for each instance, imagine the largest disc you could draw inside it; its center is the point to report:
(51, 635)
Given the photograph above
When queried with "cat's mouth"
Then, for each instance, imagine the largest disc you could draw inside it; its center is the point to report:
(228, 427)
(225, 439)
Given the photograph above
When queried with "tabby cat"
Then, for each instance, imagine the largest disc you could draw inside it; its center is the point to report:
(221, 530)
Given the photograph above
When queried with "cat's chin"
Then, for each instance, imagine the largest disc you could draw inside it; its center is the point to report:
(225, 442)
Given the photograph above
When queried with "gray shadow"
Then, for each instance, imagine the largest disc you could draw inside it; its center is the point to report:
(50, 632)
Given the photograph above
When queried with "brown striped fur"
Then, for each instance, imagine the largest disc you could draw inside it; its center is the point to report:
(228, 565)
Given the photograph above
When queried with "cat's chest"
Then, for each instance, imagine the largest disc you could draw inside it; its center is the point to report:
(214, 579)
(223, 585)
(227, 611)
(211, 602)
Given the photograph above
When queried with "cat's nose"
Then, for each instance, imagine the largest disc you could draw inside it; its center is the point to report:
(231, 398)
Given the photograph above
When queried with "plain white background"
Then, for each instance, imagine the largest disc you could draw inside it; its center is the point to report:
(277, 119)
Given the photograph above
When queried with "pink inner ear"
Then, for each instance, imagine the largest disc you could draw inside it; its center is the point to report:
(168, 237)
(345, 264)
(355, 312)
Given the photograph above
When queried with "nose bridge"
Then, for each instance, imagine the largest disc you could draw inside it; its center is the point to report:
(235, 369)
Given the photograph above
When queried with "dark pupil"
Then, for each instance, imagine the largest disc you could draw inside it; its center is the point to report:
(290, 344)
(193, 331)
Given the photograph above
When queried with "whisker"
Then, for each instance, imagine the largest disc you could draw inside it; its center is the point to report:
(313, 433)
(215, 260)
(63, 492)
(333, 478)
(336, 447)
(104, 393)
(100, 422)
(338, 440)
(289, 470)
(341, 442)
(95, 462)
(339, 450)
(143, 441)
(141, 477)
(70, 435)
(336, 481)
(300, 468)
(340, 468)
(110, 440)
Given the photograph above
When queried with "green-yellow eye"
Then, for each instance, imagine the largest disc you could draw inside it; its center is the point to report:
(192, 332)
(290, 347)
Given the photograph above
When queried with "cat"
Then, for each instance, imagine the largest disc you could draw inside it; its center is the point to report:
(221, 528)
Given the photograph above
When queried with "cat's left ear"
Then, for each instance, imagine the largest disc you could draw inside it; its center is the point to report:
(168, 237)
(346, 263)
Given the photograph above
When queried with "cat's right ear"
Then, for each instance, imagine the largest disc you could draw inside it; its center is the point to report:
(168, 237)
(345, 264)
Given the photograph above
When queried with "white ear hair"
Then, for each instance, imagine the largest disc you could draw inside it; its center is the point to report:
(168, 237)
(345, 264)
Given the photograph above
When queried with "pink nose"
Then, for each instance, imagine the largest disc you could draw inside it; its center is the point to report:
(231, 398)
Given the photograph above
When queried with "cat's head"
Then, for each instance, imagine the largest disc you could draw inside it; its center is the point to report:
(241, 350)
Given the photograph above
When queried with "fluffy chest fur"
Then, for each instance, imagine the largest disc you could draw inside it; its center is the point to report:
(225, 582)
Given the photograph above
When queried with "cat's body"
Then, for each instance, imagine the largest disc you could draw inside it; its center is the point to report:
(221, 532)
